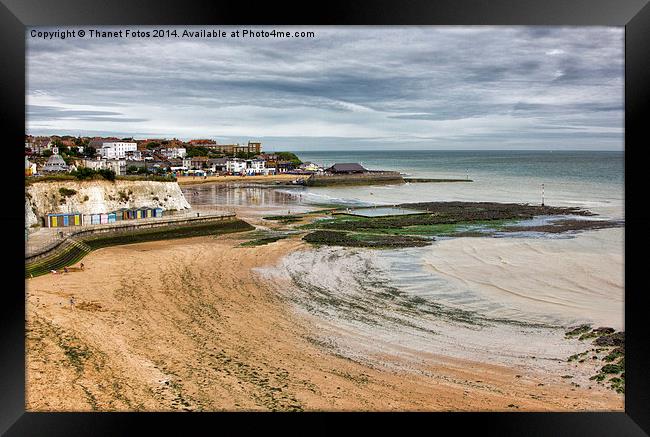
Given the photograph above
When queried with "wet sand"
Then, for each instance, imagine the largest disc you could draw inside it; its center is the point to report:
(578, 279)
(192, 325)
(194, 180)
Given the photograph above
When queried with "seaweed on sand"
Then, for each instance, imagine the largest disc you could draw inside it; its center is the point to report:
(348, 239)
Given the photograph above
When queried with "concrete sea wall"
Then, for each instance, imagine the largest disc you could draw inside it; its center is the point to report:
(389, 177)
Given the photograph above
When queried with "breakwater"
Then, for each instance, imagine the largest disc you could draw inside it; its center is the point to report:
(426, 180)
(371, 177)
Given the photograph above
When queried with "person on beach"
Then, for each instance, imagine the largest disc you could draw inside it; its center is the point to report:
(81, 266)
(65, 270)
(72, 301)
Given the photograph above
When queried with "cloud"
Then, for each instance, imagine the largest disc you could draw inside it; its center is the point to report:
(415, 85)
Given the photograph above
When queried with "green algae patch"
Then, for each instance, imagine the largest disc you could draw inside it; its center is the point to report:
(349, 239)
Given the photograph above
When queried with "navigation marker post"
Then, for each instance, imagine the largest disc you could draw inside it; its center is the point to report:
(542, 194)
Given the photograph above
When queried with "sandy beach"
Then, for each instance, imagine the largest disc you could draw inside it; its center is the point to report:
(192, 325)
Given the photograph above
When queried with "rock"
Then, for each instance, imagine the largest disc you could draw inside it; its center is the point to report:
(616, 339)
(604, 331)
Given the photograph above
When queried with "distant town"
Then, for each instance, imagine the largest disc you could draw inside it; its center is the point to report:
(110, 156)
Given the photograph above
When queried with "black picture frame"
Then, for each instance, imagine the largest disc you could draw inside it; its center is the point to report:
(15, 15)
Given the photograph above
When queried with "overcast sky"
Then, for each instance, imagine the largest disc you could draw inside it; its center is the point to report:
(364, 88)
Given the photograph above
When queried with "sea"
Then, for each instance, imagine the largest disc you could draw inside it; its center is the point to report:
(588, 179)
(524, 291)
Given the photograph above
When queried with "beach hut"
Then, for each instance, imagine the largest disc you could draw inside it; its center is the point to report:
(103, 219)
(61, 220)
(149, 212)
(112, 217)
(95, 219)
(158, 212)
(138, 213)
(119, 214)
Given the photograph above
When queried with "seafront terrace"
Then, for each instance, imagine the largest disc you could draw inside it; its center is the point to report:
(45, 239)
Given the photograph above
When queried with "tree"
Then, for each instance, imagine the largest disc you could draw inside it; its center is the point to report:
(89, 152)
(84, 173)
(289, 156)
(107, 174)
(47, 153)
(132, 169)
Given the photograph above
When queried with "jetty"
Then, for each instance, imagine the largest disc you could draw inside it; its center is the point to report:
(353, 174)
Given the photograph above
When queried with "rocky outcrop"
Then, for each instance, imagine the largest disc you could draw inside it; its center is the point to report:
(92, 197)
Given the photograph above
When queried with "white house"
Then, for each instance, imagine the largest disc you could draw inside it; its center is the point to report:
(117, 165)
(113, 150)
(174, 152)
(247, 166)
(255, 166)
(236, 166)
(133, 155)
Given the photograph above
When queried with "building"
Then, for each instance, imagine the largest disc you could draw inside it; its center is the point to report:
(55, 163)
(247, 166)
(217, 164)
(133, 155)
(197, 162)
(39, 144)
(174, 152)
(310, 167)
(254, 147)
(95, 164)
(346, 168)
(236, 166)
(117, 165)
(30, 167)
(117, 149)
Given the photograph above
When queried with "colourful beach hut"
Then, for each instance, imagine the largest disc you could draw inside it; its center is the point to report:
(112, 217)
(103, 219)
(119, 214)
(95, 219)
(61, 220)
(157, 212)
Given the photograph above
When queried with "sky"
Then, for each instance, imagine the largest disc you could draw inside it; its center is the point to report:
(346, 88)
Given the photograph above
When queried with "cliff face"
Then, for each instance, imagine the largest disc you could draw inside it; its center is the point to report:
(92, 197)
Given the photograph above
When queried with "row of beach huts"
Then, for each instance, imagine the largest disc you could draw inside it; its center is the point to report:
(66, 219)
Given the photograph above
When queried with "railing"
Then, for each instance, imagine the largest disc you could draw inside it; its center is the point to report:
(56, 241)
